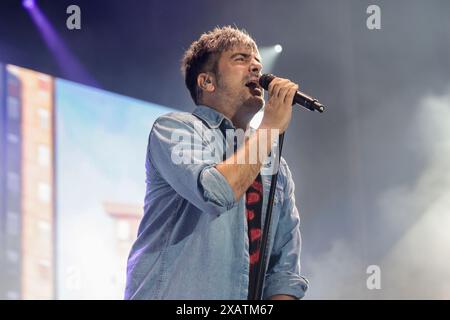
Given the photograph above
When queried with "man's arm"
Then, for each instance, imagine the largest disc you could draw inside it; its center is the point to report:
(194, 178)
(241, 175)
(277, 115)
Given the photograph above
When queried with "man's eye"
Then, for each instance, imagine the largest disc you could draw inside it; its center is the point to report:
(240, 59)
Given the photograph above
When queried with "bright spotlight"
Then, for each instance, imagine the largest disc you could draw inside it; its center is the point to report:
(29, 4)
(278, 48)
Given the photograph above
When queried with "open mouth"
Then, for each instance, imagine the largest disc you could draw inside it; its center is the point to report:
(254, 87)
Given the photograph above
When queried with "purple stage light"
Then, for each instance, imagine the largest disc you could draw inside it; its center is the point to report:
(29, 4)
(68, 63)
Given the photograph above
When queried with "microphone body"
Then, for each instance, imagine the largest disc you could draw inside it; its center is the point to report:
(299, 98)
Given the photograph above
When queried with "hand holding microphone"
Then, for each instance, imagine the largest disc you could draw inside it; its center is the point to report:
(299, 97)
(278, 109)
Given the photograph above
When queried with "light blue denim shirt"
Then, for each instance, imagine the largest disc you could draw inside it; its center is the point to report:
(192, 241)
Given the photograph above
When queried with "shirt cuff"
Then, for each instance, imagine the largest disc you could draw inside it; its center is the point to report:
(285, 284)
(216, 188)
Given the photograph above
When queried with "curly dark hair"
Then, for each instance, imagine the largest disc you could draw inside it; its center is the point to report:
(203, 55)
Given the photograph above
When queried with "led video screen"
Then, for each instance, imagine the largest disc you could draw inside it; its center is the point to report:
(72, 185)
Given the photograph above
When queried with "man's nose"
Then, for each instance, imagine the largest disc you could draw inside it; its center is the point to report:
(256, 67)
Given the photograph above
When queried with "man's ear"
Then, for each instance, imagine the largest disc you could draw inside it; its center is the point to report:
(205, 81)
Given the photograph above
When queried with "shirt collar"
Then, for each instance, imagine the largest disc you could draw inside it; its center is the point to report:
(212, 117)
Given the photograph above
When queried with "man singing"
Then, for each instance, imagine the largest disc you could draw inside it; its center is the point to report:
(200, 236)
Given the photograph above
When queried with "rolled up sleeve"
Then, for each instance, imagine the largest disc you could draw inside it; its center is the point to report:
(283, 275)
(192, 175)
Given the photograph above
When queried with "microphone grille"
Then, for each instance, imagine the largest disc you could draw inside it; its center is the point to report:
(265, 80)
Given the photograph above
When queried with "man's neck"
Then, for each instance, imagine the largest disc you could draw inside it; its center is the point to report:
(241, 120)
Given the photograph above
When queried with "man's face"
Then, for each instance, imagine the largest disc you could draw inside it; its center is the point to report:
(237, 80)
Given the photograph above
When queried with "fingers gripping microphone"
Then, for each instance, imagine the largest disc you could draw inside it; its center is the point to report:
(299, 98)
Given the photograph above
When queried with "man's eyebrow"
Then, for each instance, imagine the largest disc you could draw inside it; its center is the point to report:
(245, 55)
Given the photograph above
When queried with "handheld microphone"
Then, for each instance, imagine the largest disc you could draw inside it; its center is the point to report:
(299, 98)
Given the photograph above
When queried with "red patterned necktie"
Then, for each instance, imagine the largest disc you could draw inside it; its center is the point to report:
(253, 205)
